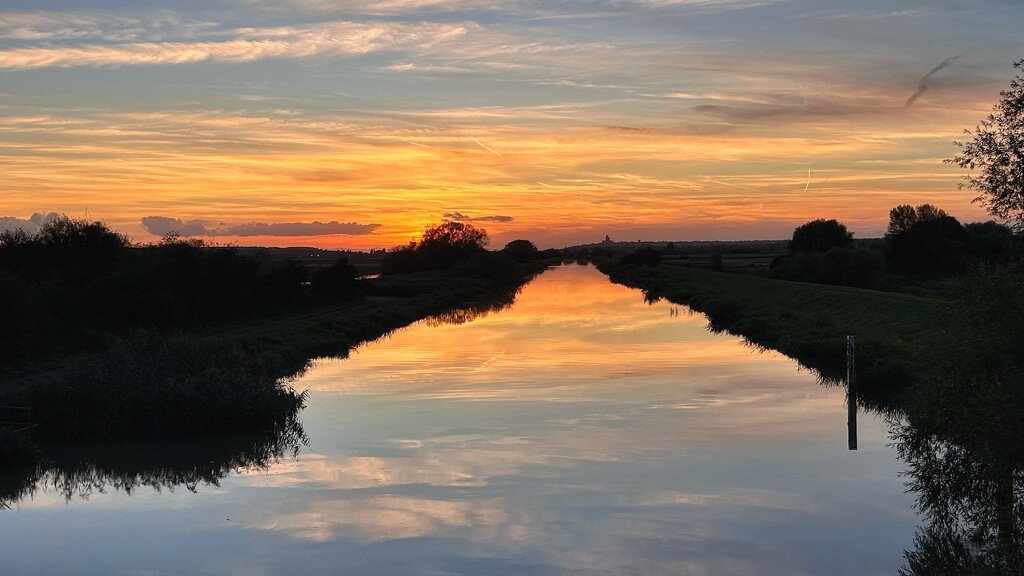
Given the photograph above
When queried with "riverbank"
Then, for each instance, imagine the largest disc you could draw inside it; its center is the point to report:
(158, 386)
(899, 336)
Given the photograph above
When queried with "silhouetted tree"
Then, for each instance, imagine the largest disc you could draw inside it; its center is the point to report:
(820, 236)
(71, 249)
(933, 246)
(521, 250)
(440, 247)
(995, 156)
(901, 218)
(989, 242)
(456, 236)
(904, 216)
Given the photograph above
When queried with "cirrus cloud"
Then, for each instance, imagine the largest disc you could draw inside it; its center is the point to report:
(162, 225)
(247, 45)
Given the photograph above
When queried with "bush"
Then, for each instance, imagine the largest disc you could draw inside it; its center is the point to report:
(820, 236)
(645, 256)
(521, 250)
(839, 266)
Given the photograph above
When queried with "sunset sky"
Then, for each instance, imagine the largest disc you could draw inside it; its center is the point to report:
(356, 124)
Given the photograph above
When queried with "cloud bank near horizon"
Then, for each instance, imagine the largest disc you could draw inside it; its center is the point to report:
(30, 225)
(460, 217)
(162, 225)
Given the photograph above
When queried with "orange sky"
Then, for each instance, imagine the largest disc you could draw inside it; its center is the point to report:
(670, 120)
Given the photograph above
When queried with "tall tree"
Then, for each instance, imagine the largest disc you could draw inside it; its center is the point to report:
(820, 236)
(994, 156)
(456, 236)
(903, 217)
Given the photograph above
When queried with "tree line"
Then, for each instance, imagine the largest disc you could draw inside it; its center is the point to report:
(461, 248)
(76, 285)
(921, 242)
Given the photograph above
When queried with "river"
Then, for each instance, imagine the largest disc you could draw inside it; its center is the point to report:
(580, 431)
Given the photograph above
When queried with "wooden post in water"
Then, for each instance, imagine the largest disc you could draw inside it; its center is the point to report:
(851, 390)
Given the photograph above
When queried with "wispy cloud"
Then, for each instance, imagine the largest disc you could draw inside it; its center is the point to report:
(249, 44)
(518, 7)
(50, 26)
(779, 107)
(162, 225)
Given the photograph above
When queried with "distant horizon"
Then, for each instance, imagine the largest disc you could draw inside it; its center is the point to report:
(494, 244)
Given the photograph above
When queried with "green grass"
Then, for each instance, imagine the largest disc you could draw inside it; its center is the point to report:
(898, 335)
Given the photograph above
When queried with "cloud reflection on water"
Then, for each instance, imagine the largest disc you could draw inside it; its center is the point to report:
(582, 430)
(553, 432)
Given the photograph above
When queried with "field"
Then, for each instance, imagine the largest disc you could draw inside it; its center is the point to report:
(898, 335)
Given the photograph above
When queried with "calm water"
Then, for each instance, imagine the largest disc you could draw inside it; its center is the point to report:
(581, 431)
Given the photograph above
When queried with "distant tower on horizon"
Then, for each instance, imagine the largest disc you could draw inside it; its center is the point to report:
(607, 239)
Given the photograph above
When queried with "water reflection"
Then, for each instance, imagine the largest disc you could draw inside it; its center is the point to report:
(86, 470)
(471, 311)
(966, 467)
(582, 430)
(971, 497)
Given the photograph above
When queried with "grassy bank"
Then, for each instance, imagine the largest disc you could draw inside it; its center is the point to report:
(898, 335)
(155, 386)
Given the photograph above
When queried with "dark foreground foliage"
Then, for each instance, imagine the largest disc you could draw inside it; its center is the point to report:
(154, 387)
(645, 256)
(17, 449)
(963, 438)
(77, 286)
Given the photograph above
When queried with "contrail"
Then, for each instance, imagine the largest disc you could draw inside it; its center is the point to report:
(498, 154)
(728, 184)
(923, 84)
(808, 185)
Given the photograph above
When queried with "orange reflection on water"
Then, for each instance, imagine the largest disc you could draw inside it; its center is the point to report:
(569, 335)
